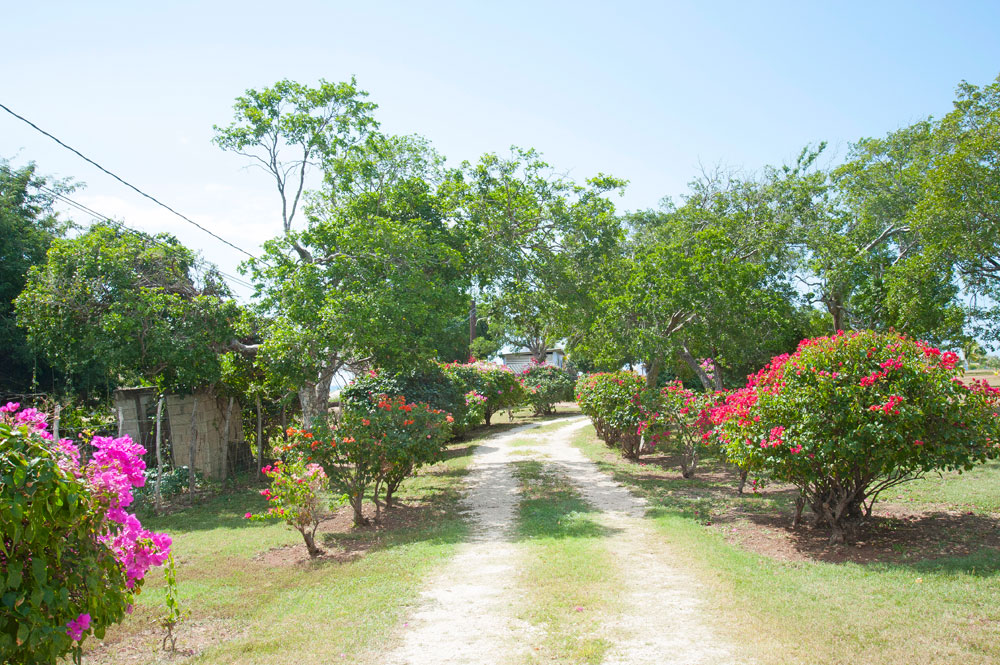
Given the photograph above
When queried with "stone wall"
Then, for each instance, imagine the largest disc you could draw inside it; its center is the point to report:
(216, 454)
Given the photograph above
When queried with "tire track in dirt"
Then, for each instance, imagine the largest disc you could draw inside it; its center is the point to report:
(664, 618)
(466, 614)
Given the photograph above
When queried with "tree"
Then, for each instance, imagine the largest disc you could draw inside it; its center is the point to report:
(289, 128)
(534, 240)
(373, 280)
(659, 302)
(28, 224)
(958, 216)
(129, 304)
(705, 279)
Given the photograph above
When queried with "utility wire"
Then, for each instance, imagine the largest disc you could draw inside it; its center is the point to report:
(127, 184)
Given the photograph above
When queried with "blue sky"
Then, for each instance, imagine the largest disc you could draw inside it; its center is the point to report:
(644, 91)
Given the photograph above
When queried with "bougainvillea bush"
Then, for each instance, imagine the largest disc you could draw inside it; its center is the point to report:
(498, 384)
(684, 423)
(546, 384)
(624, 411)
(72, 558)
(845, 417)
(428, 384)
(296, 496)
(373, 449)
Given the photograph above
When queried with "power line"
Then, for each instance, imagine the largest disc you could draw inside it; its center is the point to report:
(127, 184)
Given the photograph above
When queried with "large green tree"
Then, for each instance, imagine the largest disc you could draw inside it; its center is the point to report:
(704, 279)
(534, 240)
(373, 279)
(958, 216)
(128, 305)
(28, 224)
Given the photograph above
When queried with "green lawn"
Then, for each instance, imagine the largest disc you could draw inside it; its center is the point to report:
(571, 576)
(944, 610)
(245, 610)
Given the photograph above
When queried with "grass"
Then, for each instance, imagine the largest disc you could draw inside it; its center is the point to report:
(329, 610)
(570, 576)
(977, 490)
(945, 610)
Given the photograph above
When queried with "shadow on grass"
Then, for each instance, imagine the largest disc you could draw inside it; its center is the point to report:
(932, 541)
(551, 507)
(896, 536)
(221, 511)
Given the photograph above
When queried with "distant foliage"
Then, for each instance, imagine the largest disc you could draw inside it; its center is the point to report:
(546, 384)
(73, 558)
(845, 417)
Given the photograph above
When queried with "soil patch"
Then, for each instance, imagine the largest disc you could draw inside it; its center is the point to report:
(145, 647)
(341, 541)
(894, 534)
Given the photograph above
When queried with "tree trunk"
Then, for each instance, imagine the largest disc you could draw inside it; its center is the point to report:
(192, 443)
(689, 460)
(743, 479)
(835, 306)
(315, 397)
(55, 422)
(709, 383)
(260, 438)
(800, 503)
(225, 440)
(310, 538)
(472, 321)
(538, 347)
(357, 503)
(653, 371)
(159, 457)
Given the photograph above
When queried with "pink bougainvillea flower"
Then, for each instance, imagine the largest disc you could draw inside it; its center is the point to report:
(76, 627)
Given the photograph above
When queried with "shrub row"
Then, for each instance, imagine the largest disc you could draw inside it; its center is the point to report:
(639, 419)
(843, 419)
(471, 392)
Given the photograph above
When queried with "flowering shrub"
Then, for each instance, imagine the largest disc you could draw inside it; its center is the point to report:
(497, 383)
(295, 497)
(373, 448)
(544, 385)
(429, 384)
(625, 413)
(848, 416)
(72, 559)
(475, 413)
(685, 422)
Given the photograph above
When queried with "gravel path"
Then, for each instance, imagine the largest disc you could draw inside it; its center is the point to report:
(465, 615)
